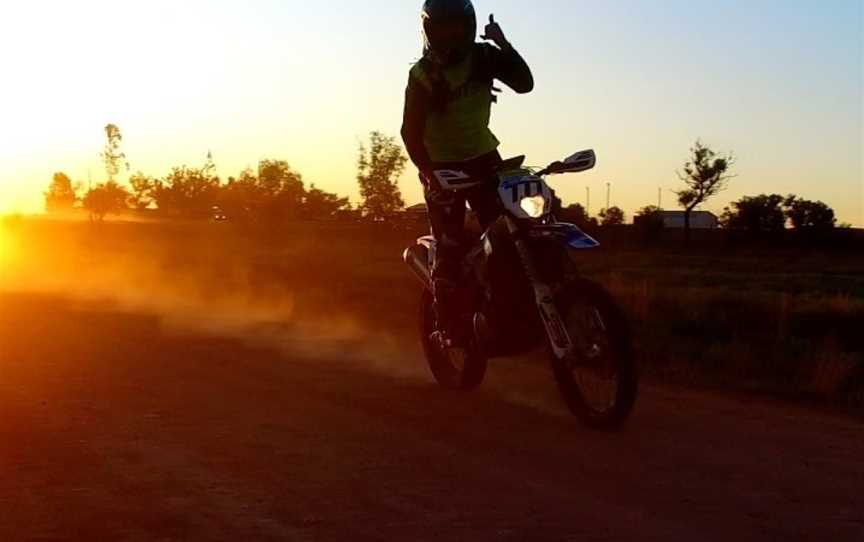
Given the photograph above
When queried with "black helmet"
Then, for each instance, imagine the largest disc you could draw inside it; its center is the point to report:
(449, 29)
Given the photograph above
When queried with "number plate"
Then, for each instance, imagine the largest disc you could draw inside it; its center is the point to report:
(513, 189)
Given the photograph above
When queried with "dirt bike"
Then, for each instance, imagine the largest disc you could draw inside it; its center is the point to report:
(520, 289)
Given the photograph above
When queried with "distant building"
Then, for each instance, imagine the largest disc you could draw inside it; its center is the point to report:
(699, 220)
(418, 211)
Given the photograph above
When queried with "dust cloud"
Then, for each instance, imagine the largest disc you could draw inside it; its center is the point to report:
(284, 293)
(311, 296)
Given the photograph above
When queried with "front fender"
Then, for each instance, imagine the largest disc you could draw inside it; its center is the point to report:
(562, 232)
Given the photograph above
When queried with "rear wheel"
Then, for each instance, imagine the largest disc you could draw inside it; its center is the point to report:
(599, 382)
(453, 368)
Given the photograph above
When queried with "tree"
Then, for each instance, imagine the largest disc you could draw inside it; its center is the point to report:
(649, 222)
(280, 191)
(104, 199)
(705, 175)
(60, 195)
(239, 197)
(755, 214)
(186, 192)
(276, 194)
(809, 215)
(142, 190)
(113, 155)
(650, 212)
(321, 204)
(613, 216)
(576, 214)
(209, 165)
(378, 171)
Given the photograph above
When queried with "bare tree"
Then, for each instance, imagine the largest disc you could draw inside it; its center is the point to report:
(209, 168)
(113, 155)
(705, 175)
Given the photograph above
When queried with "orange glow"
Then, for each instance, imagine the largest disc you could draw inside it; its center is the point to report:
(5, 248)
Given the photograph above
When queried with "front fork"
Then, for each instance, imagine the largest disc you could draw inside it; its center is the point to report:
(559, 339)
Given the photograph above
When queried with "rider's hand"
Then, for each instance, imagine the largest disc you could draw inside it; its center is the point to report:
(494, 33)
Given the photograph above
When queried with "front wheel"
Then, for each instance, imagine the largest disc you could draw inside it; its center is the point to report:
(599, 382)
(453, 369)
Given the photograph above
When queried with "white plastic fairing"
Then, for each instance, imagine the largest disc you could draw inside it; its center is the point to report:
(516, 188)
(581, 241)
(451, 179)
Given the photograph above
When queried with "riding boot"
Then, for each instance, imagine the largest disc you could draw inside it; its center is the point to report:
(447, 312)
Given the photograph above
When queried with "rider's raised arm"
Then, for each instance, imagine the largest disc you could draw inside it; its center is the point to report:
(508, 66)
(414, 123)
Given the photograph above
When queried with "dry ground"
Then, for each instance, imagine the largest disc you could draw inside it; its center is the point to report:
(175, 411)
(120, 427)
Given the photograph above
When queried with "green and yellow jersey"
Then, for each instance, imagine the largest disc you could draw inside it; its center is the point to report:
(447, 108)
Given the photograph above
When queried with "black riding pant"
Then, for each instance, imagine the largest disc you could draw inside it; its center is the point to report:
(447, 212)
(447, 218)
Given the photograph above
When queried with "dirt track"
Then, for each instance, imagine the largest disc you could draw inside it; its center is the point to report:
(112, 426)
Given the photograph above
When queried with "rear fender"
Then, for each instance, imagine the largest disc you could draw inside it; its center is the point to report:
(455, 180)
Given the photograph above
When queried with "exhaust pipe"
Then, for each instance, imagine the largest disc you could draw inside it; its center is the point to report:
(417, 258)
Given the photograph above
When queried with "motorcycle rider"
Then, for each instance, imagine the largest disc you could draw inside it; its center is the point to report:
(448, 105)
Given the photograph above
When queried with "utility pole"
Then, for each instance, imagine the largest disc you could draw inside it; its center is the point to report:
(588, 201)
(660, 198)
(608, 194)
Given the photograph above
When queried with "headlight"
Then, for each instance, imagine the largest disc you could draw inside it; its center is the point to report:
(534, 207)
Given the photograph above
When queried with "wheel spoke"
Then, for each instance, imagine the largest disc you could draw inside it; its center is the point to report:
(593, 368)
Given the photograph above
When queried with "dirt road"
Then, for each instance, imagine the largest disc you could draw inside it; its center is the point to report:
(114, 426)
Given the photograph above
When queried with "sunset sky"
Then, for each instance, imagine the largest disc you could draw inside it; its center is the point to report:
(779, 82)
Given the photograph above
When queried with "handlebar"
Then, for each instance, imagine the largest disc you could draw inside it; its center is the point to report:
(551, 169)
